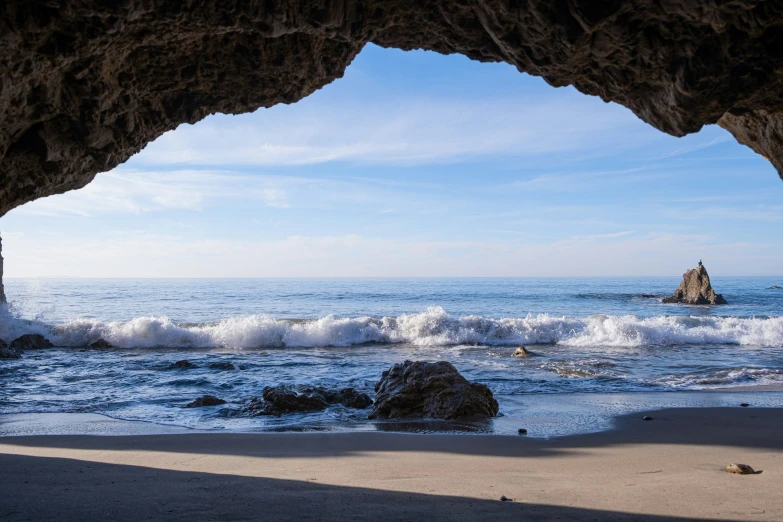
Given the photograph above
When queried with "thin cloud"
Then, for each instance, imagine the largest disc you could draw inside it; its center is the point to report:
(398, 132)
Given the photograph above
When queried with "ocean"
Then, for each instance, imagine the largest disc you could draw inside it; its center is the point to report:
(604, 346)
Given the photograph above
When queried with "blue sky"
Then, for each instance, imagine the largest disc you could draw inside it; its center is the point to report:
(415, 164)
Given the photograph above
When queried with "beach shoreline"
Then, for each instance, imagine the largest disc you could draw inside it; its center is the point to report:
(670, 468)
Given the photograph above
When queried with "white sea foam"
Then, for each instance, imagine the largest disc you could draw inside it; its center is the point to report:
(433, 327)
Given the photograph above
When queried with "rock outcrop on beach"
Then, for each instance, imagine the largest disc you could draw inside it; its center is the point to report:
(85, 85)
(428, 390)
(696, 289)
(283, 400)
(8, 353)
(206, 400)
(30, 342)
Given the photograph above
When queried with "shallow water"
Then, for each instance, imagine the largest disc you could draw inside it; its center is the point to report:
(600, 345)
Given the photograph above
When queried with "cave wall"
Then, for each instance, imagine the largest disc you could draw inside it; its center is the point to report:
(86, 84)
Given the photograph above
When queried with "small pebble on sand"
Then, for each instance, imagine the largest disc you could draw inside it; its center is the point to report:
(740, 469)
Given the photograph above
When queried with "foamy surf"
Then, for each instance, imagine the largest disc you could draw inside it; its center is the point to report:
(432, 327)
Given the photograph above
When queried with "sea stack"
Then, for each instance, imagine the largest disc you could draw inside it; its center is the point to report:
(696, 289)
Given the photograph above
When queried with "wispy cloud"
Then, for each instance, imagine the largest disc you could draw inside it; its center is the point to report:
(398, 131)
(136, 192)
(697, 146)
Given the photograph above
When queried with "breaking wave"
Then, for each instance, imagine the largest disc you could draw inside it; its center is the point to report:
(433, 327)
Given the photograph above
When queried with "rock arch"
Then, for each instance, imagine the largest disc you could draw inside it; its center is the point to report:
(85, 85)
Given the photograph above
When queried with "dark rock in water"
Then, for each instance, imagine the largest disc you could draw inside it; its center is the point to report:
(776, 287)
(348, 397)
(647, 418)
(221, 366)
(206, 400)
(522, 431)
(281, 400)
(354, 399)
(30, 342)
(696, 289)
(8, 353)
(522, 352)
(648, 296)
(182, 365)
(430, 391)
(744, 404)
(101, 343)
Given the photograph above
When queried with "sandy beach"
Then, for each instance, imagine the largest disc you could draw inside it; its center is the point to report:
(670, 468)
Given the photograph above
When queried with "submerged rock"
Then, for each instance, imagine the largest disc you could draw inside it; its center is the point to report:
(182, 365)
(30, 342)
(221, 366)
(8, 353)
(776, 287)
(206, 400)
(101, 343)
(430, 391)
(696, 289)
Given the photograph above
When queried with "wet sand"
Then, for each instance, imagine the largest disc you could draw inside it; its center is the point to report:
(670, 468)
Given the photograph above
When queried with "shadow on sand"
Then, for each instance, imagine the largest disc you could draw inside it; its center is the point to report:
(80, 490)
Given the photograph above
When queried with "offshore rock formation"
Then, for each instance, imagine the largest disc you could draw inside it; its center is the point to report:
(85, 85)
(430, 391)
(30, 342)
(101, 344)
(696, 289)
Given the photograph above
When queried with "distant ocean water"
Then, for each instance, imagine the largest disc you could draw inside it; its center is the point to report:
(594, 337)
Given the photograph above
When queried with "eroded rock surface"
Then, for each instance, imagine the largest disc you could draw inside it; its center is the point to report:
(85, 85)
(430, 391)
(696, 289)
